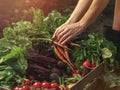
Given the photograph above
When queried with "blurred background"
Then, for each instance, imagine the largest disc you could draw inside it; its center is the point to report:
(10, 11)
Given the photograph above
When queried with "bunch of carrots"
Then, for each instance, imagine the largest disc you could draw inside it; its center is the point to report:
(61, 52)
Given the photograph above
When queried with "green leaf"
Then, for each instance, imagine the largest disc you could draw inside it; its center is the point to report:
(106, 53)
(16, 59)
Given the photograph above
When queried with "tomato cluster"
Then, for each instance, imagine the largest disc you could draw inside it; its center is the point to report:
(32, 84)
(38, 86)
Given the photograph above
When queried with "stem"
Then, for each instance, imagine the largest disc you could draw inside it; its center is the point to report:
(43, 39)
(92, 59)
(74, 44)
(60, 81)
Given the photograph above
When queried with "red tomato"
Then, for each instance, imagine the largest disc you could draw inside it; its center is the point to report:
(45, 89)
(37, 85)
(45, 85)
(54, 85)
(25, 88)
(16, 88)
(20, 88)
(27, 82)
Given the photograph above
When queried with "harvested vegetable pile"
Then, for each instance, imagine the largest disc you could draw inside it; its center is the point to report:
(28, 53)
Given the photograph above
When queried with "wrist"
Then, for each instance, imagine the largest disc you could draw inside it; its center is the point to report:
(82, 25)
(71, 20)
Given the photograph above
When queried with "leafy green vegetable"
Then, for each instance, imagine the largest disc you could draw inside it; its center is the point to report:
(16, 59)
(17, 34)
(5, 47)
(106, 53)
(8, 77)
(13, 65)
(94, 49)
(22, 36)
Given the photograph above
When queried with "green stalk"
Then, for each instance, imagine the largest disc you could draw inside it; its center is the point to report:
(43, 39)
(92, 59)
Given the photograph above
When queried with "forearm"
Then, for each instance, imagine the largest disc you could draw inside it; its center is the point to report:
(79, 11)
(94, 10)
(116, 21)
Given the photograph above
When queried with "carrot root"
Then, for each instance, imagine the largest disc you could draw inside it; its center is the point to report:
(74, 44)
(63, 46)
(61, 55)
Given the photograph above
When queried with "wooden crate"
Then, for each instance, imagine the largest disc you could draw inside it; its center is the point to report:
(93, 81)
(91, 77)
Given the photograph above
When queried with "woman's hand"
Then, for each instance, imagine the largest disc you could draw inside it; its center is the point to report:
(67, 32)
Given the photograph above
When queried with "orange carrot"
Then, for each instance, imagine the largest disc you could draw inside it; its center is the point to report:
(61, 51)
(67, 57)
(58, 44)
(61, 57)
(74, 44)
(65, 54)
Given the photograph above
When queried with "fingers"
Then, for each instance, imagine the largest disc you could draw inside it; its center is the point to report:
(54, 35)
(59, 31)
(66, 33)
(66, 40)
(62, 35)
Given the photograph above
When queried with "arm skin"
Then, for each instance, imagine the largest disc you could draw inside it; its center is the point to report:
(68, 32)
(116, 21)
(95, 9)
(80, 9)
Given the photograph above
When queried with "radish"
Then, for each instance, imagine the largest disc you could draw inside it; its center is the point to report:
(88, 65)
(76, 72)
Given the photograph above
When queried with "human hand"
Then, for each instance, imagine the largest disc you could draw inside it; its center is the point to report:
(67, 32)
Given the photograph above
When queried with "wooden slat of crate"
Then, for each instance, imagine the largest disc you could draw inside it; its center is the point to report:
(97, 72)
